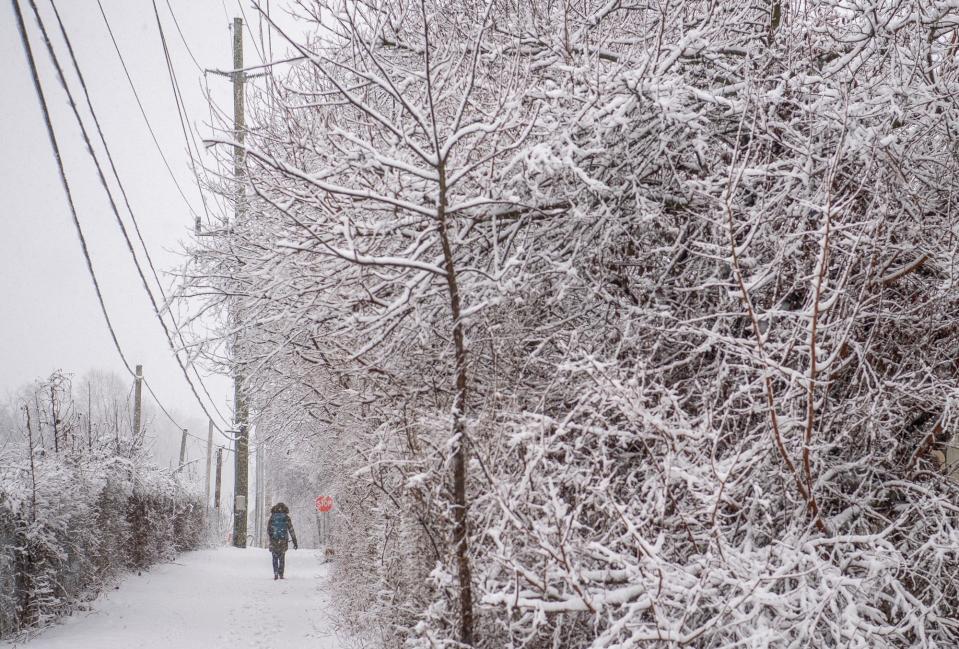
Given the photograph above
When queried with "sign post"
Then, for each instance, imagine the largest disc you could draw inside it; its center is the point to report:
(324, 504)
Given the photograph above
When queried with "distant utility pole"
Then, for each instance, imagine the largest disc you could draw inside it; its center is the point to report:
(137, 401)
(219, 472)
(183, 447)
(209, 457)
(89, 418)
(258, 489)
(260, 493)
(241, 409)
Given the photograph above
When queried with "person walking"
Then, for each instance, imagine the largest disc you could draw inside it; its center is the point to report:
(280, 529)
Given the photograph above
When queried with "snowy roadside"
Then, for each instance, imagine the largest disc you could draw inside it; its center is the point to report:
(207, 599)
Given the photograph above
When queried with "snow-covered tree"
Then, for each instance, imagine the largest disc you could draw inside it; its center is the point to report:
(612, 324)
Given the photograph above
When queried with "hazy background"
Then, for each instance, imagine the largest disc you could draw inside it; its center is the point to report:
(49, 315)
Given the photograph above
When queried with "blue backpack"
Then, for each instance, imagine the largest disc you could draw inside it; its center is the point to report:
(279, 526)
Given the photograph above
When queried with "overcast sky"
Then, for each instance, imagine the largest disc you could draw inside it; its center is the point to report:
(49, 315)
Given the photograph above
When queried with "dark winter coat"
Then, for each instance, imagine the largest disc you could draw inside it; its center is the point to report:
(280, 528)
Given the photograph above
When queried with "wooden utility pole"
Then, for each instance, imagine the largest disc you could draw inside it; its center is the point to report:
(89, 418)
(209, 458)
(183, 447)
(240, 410)
(137, 401)
(258, 509)
(219, 472)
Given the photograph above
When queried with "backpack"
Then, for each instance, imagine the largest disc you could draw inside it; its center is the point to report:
(279, 526)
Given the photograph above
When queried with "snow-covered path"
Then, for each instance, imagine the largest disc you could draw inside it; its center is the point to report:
(211, 599)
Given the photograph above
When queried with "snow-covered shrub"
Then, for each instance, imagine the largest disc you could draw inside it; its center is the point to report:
(8, 572)
(76, 516)
(753, 359)
(657, 301)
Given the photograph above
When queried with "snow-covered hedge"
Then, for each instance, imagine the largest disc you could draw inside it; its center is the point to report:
(89, 520)
(80, 505)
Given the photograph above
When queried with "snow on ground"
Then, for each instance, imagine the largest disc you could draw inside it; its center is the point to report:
(209, 599)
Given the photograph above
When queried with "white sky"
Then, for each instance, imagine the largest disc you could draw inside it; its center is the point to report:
(49, 316)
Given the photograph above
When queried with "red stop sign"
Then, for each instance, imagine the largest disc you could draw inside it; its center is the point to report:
(324, 503)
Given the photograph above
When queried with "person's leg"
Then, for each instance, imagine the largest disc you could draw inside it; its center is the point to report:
(282, 556)
(276, 563)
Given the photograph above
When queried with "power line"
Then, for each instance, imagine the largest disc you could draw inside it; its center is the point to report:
(113, 206)
(189, 135)
(177, 95)
(185, 127)
(63, 177)
(69, 195)
(199, 67)
(189, 50)
(182, 37)
(136, 226)
(249, 31)
(62, 78)
(146, 119)
(86, 94)
(160, 405)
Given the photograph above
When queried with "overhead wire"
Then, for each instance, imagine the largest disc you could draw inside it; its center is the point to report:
(136, 226)
(210, 103)
(182, 37)
(188, 135)
(127, 202)
(246, 23)
(51, 135)
(96, 121)
(113, 206)
(62, 78)
(28, 50)
(206, 87)
(146, 119)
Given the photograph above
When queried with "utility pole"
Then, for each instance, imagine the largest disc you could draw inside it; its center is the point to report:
(137, 401)
(240, 410)
(219, 472)
(261, 493)
(209, 457)
(255, 498)
(89, 418)
(183, 447)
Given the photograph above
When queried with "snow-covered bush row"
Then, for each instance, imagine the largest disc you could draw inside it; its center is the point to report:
(80, 505)
(612, 324)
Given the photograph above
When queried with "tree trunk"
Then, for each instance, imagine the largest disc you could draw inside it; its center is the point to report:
(460, 504)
